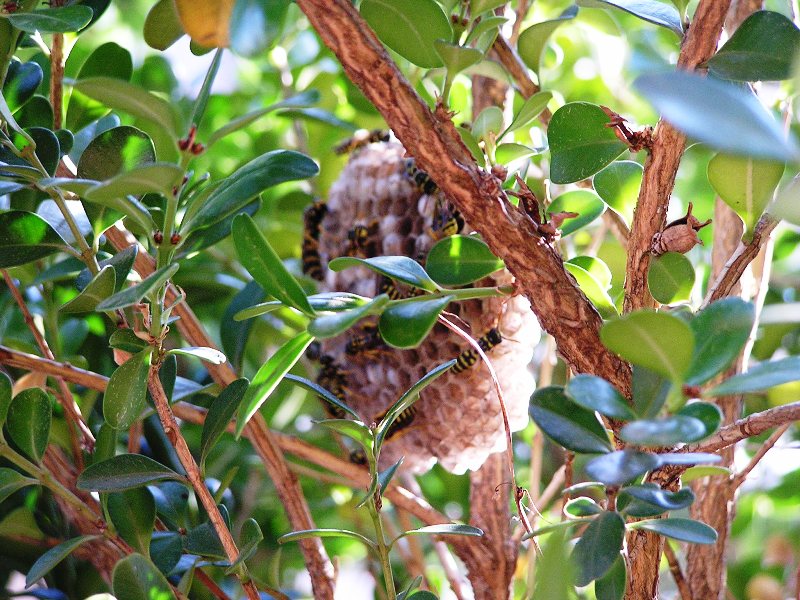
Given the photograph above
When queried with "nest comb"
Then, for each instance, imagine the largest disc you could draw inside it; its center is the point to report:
(393, 210)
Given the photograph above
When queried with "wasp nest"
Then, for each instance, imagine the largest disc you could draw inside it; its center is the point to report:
(382, 205)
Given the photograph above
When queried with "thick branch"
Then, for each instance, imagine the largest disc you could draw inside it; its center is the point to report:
(662, 163)
(563, 310)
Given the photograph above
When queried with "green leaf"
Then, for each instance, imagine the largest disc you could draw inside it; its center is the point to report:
(12, 481)
(122, 262)
(505, 154)
(269, 376)
(385, 476)
(210, 355)
(621, 466)
(237, 190)
(25, 237)
(705, 412)
(22, 81)
(471, 142)
(668, 431)
(595, 393)
(355, 430)
(571, 426)
(220, 414)
(759, 378)
(698, 472)
(50, 559)
(325, 533)
(685, 530)
(477, 7)
(127, 340)
(618, 185)
(166, 549)
(708, 110)
(322, 393)
(136, 578)
(787, 202)
(745, 184)
(204, 541)
(456, 58)
(28, 422)
(761, 49)
(98, 289)
(108, 60)
(421, 595)
(114, 151)
(599, 546)
(52, 20)
(580, 142)
(133, 513)
(670, 278)
(489, 121)
(266, 267)
(581, 507)
(445, 529)
(324, 302)
(406, 323)
(400, 268)
(658, 341)
(6, 389)
(409, 397)
(158, 178)
(124, 472)
(611, 586)
(409, 27)
(132, 99)
(256, 24)
(249, 539)
(162, 27)
(651, 11)
(687, 458)
(134, 294)
(663, 499)
(593, 290)
(460, 260)
(533, 40)
(530, 109)
(330, 325)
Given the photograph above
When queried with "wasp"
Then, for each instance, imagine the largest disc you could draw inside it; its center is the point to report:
(362, 138)
(469, 357)
(312, 222)
(361, 240)
(367, 343)
(420, 178)
(403, 421)
(447, 220)
(387, 286)
(334, 379)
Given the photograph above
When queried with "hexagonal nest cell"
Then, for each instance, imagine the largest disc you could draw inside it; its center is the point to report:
(379, 206)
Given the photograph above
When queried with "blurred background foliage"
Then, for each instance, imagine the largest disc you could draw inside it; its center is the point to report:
(592, 58)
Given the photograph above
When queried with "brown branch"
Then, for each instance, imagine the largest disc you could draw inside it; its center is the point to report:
(57, 78)
(662, 164)
(749, 426)
(518, 71)
(562, 309)
(677, 574)
(31, 362)
(743, 256)
(521, 12)
(739, 478)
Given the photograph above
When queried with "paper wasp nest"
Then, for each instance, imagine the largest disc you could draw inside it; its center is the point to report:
(376, 207)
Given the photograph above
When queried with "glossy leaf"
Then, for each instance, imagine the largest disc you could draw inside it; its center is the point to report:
(135, 294)
(586, 203)
(162, 27)
(571, 426)
(618, 185)
(22, 81)
(269, 376)
(621, 466)
(595, 267)
(127, 340)
(355, 430)
(50, 559)
(25, 237)
(114, 151)
(406, 323)
(136, 578)
(611, 586)
(409, 27)
(580, 143)
(532, 41)
(124, 472)
(658, 341)
(745, 184)
(249, 539)
(593, 290)
(663, 499)
(685, 530)
(456, 58)
(6, 390)
(530, 109)
(598, 547)
(581, 507)
(52, 20)
(460, 260)
(210, 355)
(325, 533)
(400, 268)
(12, 481)
(505, 154)
(98, 289)
(649, 392)
(332, 324)
(652, 11)
(595, 393)
(670, 278)
(705, 412)
(28, 422)
(488, 123)
(708, 110)
(760, 377)
(687, 458)
(133, 513)
(220, 414)
(668, 431)
(158, 178)
(322, 393)
(385, 477)
(122, 262)
(761, 49)
(266, 267)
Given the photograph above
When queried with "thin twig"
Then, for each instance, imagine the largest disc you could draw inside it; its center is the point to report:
(46, 366)
(519, 73)
(57, 79)
(677, 573)
(749, 426)
(521, 12)
(450, 569)
(739, 478)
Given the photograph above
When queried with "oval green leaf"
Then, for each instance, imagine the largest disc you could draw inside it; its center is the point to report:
(22, 81)
(12, 481)
(460, 260)
(210, 355)
(611, 586)
(50, 559)
(569, 425)
(124, 472)
(332, 324)
(670, 278)
(220, 414)
(530, 109)
(162, 27)
(621, 466)
(400, 268)
(405, 323)
(595, 393)
(134, 294)
(685, 530)
(456, 58)
(533, 40)
(760, 377)
(158, 178)
(663, 499)
(699, 472)
(25, 237)
(581, 507)
(136, 578)
(596, 268)
(586, 203)
(324, 533)
(133, 513)
(676, 429)
(489, 121)
(28, 422)
(705, 412)
(652, 11)
(114, 151)
(599, 546)
(593, 290)
(52, 20)
(618, 185)
(97, 290)
(446, 529)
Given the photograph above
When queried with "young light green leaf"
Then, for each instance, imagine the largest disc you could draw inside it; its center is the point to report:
(50, 559)
(400, 268)
(569, 425)
(658, 341)
(460, 260)
(133, 295)
(670, 278)
(210, 355)
(136, 578)
(162, 27)
(760, 377)
(580, 142)
(685, 530)
(618, 185)
(530, 109)
(456, 58)
(124, 472)
(621, 466)
(220, 414)
(698, 472)
(97, 290)
(405, 323)
(708, 109)
(581, 507)
(532, 41)
(28, 422)
(133, 513)
(409, 27)
(507, 153)
(12, 481)
(652, 11)
(599, 546)
(595, 393)
(489, 121)
(593, 290)
(25, 237)
(477, 7)
(52, 20)
(325, 533)
(269, 376)
(266, 267)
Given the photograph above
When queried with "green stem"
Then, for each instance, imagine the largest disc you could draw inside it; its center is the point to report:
(383, 549)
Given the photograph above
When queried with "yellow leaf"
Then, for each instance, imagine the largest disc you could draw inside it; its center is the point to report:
(206, 21)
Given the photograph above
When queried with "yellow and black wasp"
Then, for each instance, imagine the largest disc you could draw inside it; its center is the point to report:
(362, 138)
(420, 178)
(367, 342)
(469, 357)
(312, 221)
(361, 240)
(447, 219)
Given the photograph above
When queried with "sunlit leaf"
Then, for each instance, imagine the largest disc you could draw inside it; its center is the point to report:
(670, 278)
(460, 260)
(573, 427)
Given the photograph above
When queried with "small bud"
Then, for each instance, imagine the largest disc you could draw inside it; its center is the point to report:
(175, 238)
(679, 236)
(158, 238)
(198, 148)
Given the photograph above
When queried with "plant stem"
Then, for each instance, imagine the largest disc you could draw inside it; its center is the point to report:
(383, 549)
